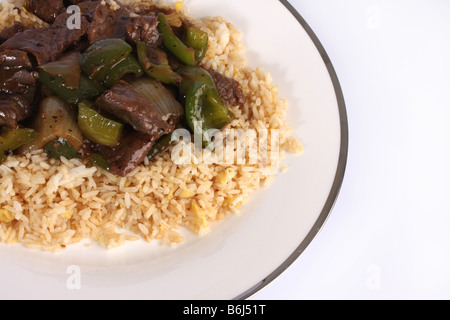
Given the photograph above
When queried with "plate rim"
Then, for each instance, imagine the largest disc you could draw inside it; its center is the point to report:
(341, 167)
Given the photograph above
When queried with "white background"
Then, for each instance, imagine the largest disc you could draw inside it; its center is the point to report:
(388, 236)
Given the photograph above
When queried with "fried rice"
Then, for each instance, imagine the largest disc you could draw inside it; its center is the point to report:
(49, 204)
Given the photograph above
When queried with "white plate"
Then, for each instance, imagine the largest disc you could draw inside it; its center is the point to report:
(245, 252)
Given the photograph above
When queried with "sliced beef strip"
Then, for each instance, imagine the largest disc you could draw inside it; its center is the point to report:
(47, 10)
(125, 103)
(131, 151)
(123, 24)
(46, 44)
(7, 33)
(13, 109)
(229, 89)
(16, 72)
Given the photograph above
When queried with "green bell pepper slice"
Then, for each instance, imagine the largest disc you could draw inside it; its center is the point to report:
(60, 148)
(162, 144)
(192, 50)
(13, 139)
(191, 74)
(156, 65)
(87, 89)
(205, 106)
(100, 161)
(121, 69)
(102, 55)
(198, 40)
(97, 128)
(174, 44)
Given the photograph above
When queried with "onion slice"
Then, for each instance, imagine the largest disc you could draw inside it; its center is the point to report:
(55, 120)
(154, 91)
(68, 68)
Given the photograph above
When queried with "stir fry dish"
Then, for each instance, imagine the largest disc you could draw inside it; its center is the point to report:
(112, 89)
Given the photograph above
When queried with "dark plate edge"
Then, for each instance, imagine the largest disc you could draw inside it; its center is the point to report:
(340, 172)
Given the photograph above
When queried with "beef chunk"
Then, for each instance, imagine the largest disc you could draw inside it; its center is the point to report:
(13, 109)
(125, 103)
(16, 72)
(122, 24)
(47, 10)
(229, 89)
(46, 44)
(7, 33)
(155, 9)
(131, 150)
(88, 8)
(144, 28)
(109, 23)
(78, 2)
